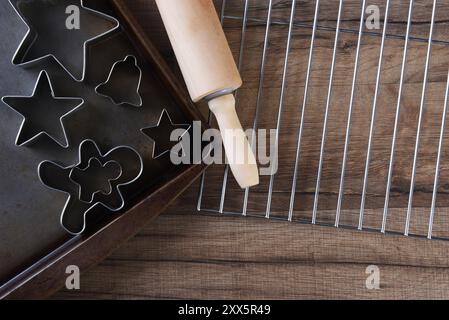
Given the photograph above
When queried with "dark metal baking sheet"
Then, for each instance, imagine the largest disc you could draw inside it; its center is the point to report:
(30, 212)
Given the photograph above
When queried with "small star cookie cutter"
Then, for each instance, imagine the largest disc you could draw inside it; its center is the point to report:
(146, 131)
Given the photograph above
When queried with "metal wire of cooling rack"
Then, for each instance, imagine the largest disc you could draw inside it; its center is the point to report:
(269, 22)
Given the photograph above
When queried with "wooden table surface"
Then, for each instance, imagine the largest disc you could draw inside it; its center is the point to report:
(189, 255)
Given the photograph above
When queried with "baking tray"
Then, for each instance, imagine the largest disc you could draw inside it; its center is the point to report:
(34, 249)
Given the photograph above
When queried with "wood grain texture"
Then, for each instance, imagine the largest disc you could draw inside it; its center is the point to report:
(183, 255)
(188, 255)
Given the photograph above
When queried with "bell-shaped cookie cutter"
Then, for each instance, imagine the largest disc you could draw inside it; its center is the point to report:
(138, 102)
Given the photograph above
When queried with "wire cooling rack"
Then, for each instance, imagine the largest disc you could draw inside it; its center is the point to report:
(360, 112)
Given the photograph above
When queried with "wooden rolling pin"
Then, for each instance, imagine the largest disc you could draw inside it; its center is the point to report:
(210, 73)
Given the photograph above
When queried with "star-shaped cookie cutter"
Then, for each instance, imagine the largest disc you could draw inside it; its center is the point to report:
(31, 33)
(165, 113)
(9, 101)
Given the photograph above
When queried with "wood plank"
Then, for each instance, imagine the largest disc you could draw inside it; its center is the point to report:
(261, 281)
(213, 256)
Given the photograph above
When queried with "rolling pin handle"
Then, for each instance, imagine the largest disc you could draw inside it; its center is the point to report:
(240, 156)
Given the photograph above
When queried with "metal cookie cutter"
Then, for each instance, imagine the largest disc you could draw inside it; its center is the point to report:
(164, 128)
(41, 111)
(47, 33)
(56, 177)
(91, 184)
(123, 83)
